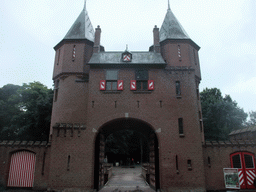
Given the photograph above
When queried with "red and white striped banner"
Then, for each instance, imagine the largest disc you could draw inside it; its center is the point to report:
(22, 168)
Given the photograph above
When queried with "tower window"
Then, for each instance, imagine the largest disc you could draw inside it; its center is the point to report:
(58, 61)
(194, 56)
(178, 91)
(180, 121)
(56, 89)
(111, 79)
(189, 164)
(141, 79)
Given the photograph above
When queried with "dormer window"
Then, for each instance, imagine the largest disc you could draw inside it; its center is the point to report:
(126, 55)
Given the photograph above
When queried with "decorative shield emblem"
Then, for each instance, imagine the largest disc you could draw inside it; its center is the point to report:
(127, 57)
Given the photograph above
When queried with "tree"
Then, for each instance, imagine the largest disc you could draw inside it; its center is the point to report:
(31, 120)
(8, 109)
(221, 114)
(252, 121)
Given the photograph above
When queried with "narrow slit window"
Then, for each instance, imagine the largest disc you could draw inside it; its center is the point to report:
(209, 161)
(56, 90)
(178, 91)
(43, 163)
(180, 121)
(197, 94)
(201, 125)
(58, 61)
(189, 164)
(68, 163)
(194, 56)
(177, 164)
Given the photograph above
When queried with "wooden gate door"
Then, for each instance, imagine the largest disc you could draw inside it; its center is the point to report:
(245, 162)
(22, 168)
(152, 158)
(101, 160)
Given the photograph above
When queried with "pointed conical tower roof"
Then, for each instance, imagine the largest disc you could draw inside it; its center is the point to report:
(82, 27)
(171, 27)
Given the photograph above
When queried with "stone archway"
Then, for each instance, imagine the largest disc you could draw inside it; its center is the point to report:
(141, 128)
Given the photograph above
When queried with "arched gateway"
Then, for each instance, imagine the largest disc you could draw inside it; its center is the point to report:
(147, 135)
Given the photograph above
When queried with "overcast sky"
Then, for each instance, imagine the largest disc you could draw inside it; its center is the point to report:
(224, 29)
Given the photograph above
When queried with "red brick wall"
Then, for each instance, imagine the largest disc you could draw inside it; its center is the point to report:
(41, 175)
(220, 158)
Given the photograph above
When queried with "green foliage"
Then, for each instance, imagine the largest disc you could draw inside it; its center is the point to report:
(27, 111)
(252, 121)
(124, 142)
(221, 114)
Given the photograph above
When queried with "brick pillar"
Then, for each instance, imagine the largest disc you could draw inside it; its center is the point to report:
(96, 47)
(156, 39)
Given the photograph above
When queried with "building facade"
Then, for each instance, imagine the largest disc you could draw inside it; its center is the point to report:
(97, 93)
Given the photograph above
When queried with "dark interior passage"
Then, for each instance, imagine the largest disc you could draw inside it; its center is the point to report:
(126, 143)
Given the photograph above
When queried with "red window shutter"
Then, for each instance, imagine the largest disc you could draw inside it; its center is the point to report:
(151, 85)
(120, 85)
(133, 85)
(103, 85)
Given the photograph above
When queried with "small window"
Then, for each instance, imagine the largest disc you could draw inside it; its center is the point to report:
(194, 56)
(248, 161)
(236, 161)
(178, 91)
(180, 121)
(209, 162)
(111, 79)
(58, 57)
(56, 89)
(189, 164)
(177, 164)
(141, 79)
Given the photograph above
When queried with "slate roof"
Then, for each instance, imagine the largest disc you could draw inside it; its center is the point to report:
(171, 28)
(82, 28)
(116, 58)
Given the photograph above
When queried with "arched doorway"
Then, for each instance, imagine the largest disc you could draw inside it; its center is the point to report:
(245, 163)
(139, 143)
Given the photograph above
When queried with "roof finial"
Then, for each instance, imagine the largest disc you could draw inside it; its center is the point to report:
(126, 47)
(169, 5)
(84, 4)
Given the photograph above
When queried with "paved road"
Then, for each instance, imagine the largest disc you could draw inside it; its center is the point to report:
(126, 180)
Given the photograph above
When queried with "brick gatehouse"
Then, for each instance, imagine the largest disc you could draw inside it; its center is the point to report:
(154, 93)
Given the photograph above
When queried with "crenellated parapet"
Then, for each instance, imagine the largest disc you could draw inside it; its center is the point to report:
(12, 143)
(69, 129)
